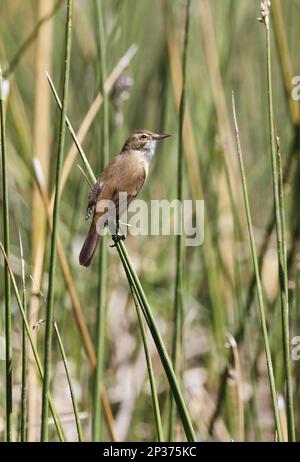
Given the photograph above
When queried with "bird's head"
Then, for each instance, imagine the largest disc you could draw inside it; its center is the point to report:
(144, 141)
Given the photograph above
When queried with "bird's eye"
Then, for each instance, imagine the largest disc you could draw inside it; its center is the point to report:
(144, 137)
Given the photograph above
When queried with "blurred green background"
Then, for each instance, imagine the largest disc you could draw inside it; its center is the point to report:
(226, 52)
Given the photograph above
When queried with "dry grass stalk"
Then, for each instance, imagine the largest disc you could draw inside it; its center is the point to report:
(41, 150)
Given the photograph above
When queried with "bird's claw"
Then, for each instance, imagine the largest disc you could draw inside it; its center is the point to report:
(117, 238)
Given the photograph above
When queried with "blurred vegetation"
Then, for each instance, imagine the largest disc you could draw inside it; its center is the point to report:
(226, 52)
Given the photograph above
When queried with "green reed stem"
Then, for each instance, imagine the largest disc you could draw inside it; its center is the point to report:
(74, 402)
(7, 288)
(285, 313)
(257, 276)
(50, 298)
(23, 405)
(89, 172)
(102, 262)
(134, 281)
(281, 249)
(177, 346)
(72, 133)
(155, 402)
(103, 76)
(32, 344)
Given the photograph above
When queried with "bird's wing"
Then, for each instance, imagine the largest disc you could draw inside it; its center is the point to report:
(121, 204)
(93, 197)
(123, 174)
(105, 178)
(119, 177)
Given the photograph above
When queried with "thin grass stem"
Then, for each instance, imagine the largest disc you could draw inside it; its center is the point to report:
(155, 402)
(281, 248)
(102, 261)
(74, 402)
(52, 264)
(32, 344)
(177, 347)
(258, 280)
(23, 406)
(7, 288)
(72, 132)
(285, 300)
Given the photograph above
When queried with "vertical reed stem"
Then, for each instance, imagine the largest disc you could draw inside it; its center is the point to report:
(102, 262)
(50, 298)
(281, 250)
(23, 411)
(7, 288)
(258, 280)
(177, 348)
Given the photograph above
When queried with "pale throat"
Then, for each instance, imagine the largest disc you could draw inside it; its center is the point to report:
(149, 151)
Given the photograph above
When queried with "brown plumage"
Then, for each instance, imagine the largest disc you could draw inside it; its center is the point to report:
(125, 173)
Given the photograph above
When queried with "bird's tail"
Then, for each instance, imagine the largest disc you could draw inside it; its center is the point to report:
(89, 247)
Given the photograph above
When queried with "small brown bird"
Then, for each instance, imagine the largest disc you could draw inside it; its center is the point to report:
(126, 173)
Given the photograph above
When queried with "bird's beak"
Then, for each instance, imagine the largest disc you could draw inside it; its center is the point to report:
(161, 136)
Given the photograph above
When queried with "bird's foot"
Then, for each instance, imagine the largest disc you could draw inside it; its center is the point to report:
(117, 238)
